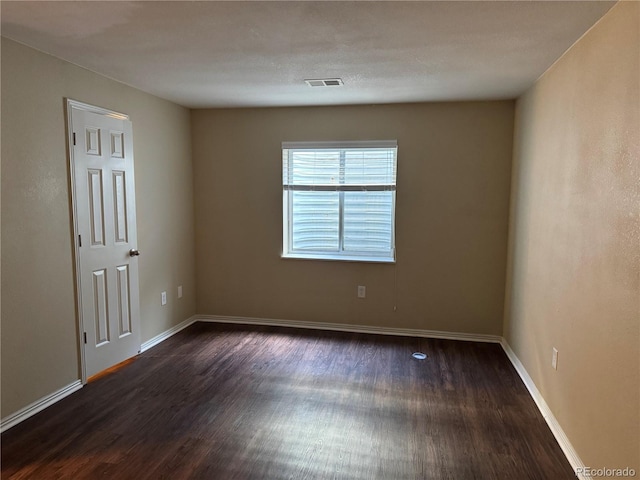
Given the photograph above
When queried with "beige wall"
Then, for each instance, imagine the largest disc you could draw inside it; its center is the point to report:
(574, 264)
(39, 334)
(573, 276)
(454, 166)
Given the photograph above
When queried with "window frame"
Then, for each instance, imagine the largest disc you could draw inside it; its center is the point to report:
(287, 205)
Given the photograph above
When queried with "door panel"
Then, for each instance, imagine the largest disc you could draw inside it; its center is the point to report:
(100, 310)
(124, 307)
(120, 206)
(104, 206)
(117, 145)
(96, 207)
(93, 141)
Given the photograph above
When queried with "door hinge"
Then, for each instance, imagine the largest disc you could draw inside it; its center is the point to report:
(79, 240)
(74, 138)
(85, 337)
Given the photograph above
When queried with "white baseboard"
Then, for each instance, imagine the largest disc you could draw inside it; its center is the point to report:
(166, 334)
(340, 327)
(30, 410)
(556, 429)
(39, 405)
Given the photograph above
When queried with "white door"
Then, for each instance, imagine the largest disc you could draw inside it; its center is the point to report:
(106, 241)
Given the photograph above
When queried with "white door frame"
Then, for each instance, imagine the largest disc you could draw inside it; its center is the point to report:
(70, 105)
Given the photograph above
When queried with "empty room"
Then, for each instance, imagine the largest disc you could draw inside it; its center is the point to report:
(320, 240)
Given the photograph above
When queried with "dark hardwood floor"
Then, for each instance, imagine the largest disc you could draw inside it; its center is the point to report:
(244, 402)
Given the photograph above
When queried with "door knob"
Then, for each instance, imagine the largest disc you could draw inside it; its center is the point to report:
(134, 252)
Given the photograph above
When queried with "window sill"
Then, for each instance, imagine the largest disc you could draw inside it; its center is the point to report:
(338, 258)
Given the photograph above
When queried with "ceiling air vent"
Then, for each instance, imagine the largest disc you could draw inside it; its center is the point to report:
(325, 82)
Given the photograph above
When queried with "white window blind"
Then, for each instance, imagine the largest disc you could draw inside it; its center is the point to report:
(339, 200)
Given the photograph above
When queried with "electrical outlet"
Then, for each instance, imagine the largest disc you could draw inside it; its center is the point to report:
(362, 291)
(179, 291)
(163, 298)
(554, 358)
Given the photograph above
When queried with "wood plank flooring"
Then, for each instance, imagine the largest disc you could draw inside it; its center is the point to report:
(245, 402)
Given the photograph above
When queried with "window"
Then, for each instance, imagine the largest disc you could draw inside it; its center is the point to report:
(339, 200)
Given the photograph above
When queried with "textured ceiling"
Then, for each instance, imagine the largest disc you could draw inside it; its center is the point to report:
(242, 53)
